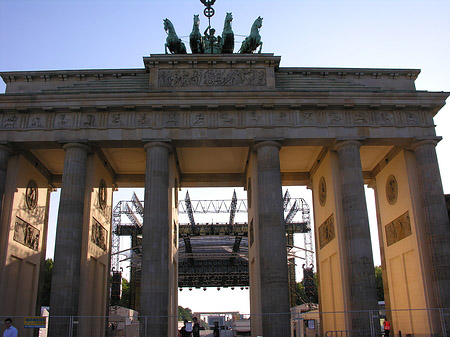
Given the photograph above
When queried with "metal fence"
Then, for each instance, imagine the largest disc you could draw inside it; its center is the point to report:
(404, 323)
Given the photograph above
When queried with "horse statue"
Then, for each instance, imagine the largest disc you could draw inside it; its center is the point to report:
(195, 38)
(173, 43)
(251, 42)
(227, 35)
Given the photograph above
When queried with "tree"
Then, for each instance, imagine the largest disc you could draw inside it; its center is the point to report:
(379, 283)
(310, 296)
(125, 297)
(184, 313)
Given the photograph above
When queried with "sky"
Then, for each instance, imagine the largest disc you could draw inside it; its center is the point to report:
(92, 34)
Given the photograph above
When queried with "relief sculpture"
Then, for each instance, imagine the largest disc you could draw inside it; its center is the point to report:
(99, 234)
(26, 234)
(398, 229)
(212, 77)
(326, 231)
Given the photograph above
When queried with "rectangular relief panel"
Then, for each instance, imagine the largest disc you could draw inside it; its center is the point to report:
(26, 234)
(326, 231)
(398, 229)
(99, 235)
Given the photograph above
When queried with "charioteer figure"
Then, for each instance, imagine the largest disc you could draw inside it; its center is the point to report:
(211, 43)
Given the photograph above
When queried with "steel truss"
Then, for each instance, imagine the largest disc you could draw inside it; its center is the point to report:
(210, 255)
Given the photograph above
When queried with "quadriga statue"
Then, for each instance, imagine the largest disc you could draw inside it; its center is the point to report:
(173, 43)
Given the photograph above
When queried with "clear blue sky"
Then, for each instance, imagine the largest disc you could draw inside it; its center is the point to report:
(89, 34)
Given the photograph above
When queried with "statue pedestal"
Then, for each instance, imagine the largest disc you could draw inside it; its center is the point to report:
(223, 72)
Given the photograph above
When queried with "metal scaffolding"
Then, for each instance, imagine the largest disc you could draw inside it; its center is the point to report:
(209, 255)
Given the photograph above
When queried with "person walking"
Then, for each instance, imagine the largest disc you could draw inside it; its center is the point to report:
(387, 328)
(183, 330)
(196, 328)
(216, 331)
(10, 330)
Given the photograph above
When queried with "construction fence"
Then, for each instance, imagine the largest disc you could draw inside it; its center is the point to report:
(403, 323)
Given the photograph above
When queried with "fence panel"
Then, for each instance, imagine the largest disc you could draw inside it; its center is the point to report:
(404, 323)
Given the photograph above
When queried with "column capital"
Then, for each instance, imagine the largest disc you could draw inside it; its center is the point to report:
(148, 145)
(341, 143)
(263, 143)
(79, 145)
(425, 141)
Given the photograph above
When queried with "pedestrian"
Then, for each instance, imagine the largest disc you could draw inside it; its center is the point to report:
(183, 330)
(387, 328)
(196, 328)
(10, 330)
(216, 331)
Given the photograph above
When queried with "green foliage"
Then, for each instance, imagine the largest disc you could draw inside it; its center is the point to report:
(303, 297)
(125, 298)
(47, 286)
(184, 313)
(379, 283)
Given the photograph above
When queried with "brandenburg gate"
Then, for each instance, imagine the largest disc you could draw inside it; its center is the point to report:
(223, 120)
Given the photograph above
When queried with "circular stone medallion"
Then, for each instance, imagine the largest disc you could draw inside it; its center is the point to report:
(391, 190)
(322, 191)
(31, 197)
(102, 194)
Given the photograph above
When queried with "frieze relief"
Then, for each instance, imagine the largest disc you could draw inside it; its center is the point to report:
(385, 118)
(360, 118)
(144, 119)
(335, 117)
(10, 122)
(118, 120)
(89, 120)
(99, 234)
(187, 118)
(171, 119)
(226, 119)
(326, 231)
(37, 121)
(211, 77)
(253, 118)
(198, 119)
(411, 118)
(26, 234)
(64, 121)
(398, 229)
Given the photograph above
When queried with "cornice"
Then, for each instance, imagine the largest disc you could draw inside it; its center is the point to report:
(268, 101)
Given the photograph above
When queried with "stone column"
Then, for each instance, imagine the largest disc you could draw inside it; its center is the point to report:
(272, 240)
(436, 219)
(155, 285)
(4, 156)
(66, 270)
(357, 247)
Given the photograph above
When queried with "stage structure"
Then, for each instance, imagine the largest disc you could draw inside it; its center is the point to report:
(210, 254)
(223, 119)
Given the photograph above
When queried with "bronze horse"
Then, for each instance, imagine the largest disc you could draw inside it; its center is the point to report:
(173, 43)
(227, 35)
(252, 41)
(195, 38)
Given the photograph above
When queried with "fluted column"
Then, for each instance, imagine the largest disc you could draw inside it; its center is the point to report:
(358, 255)
(155, 242)
(66, 270)
(4, 156)
(272, 242)
(436, 218)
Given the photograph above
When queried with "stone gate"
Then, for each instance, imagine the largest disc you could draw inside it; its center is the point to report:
(222, 120)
